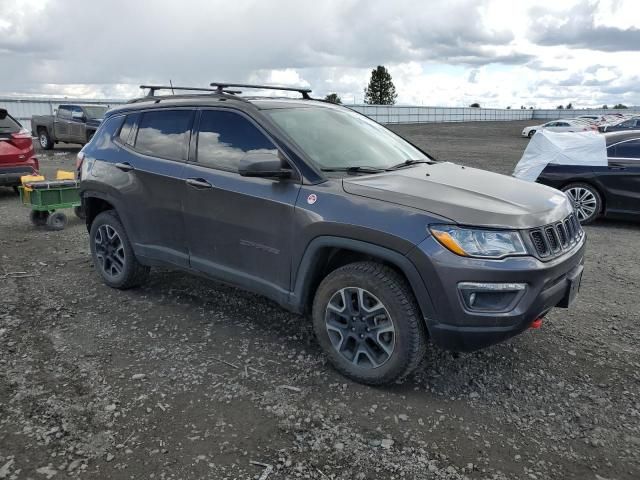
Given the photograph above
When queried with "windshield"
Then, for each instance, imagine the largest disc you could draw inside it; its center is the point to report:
(337, 139)
(95, 112)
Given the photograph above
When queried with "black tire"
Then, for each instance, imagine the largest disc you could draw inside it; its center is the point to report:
(113, 257)
(38, 218)
(399, 312)
(79, 212)
(56, 221)
(532, 133)
(45, 140)
(587, 201)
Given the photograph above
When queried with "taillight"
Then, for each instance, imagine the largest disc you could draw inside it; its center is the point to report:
(79, 160)
(22, 139)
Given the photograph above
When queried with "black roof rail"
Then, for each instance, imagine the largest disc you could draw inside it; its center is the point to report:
(220, 87)
(153, 88)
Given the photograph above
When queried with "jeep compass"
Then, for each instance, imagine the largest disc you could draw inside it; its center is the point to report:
(329, 214)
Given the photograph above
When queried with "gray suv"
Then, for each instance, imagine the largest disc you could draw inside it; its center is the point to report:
(329, 214)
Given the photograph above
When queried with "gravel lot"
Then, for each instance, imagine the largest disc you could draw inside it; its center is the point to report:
(185, 378)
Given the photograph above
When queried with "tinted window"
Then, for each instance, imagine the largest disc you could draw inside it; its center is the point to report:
(630, 149)
(9, 125)
(226, 137)
(165, 133)
(562, 124)
(76, 112)
(64, 112)
(127, 126)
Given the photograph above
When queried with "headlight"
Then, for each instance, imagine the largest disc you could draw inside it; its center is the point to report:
(471, 242)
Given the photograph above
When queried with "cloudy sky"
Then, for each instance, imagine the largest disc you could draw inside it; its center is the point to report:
(496, 52)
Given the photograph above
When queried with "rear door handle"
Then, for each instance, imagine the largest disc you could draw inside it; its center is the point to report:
(125, 167)
(198, 183)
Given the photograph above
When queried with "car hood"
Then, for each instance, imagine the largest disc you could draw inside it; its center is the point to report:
(467, 196)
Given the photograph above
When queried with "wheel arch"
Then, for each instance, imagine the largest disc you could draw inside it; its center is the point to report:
(326, 253)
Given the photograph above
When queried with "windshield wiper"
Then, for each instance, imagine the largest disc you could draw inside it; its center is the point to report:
(410, 162)
(360, 169)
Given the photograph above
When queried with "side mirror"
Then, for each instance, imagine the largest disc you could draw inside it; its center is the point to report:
(267, 165)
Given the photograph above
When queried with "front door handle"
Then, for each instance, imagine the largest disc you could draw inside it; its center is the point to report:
(198, 183)
(125, 167)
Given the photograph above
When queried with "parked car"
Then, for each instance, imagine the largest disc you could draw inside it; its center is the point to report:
(563, 125)
(329, 214)
(626, 124)
(17, 156)
(72, 123)
(610, 191)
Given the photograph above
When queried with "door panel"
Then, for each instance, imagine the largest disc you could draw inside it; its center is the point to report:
(77, 126)
(156, 190)
(61, 123)
(621, 178)
(239, 229)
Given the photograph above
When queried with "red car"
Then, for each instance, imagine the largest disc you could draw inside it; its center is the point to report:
(16, 151)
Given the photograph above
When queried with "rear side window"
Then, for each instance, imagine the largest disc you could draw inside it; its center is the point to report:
(165, 134)
(630, 149)
(224, 138)
(9, 125)
(64, 111)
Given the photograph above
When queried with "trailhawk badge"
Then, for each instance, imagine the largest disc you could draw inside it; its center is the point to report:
(311, 199)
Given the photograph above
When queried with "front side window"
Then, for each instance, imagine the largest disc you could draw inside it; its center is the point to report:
(337, 138)
(224, 138)
(165, 133)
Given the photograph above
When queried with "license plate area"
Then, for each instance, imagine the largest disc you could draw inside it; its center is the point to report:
(574, 277)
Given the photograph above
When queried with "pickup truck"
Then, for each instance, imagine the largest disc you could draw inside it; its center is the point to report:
(72, 123)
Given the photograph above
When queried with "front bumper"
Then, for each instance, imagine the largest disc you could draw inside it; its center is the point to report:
(456, 327)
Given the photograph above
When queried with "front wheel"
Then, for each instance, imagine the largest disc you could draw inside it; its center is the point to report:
(586, 201)
(532, 133)
(113, 254)
(366, 320)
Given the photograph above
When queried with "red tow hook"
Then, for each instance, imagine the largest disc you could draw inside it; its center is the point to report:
(537, 323)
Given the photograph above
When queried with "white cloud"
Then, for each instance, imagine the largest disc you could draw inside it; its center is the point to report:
(495, 52)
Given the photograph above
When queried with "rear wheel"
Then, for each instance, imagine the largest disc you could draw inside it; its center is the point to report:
(586, 201)
(532, 133)
(368, 323)
(45, 140)
(113, 254)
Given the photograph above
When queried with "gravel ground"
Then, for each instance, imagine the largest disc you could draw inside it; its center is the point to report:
(185, 378)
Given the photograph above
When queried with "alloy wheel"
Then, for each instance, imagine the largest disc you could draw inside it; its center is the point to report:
(360, 327)
(109, 250)
(584, 202)
(43, 141)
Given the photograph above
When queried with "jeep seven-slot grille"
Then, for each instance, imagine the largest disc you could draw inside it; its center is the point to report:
(552, 240)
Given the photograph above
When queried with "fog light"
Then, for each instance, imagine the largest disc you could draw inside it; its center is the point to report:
(491, 297)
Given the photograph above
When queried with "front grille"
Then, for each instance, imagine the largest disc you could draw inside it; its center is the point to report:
(552, 240)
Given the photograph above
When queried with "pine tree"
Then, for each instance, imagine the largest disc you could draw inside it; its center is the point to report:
(381, 90)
